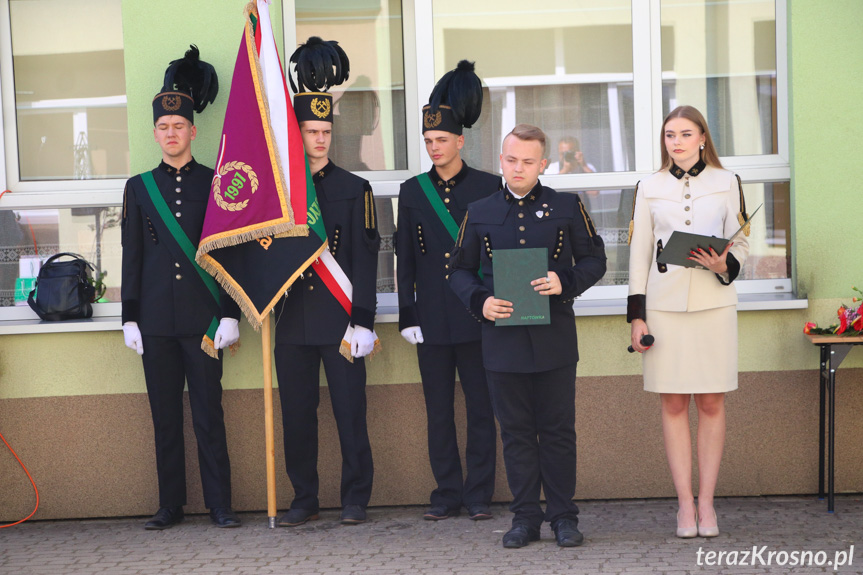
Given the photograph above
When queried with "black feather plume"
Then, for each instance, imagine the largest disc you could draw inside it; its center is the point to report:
(193, 76)
(319, 65)
(461, 90)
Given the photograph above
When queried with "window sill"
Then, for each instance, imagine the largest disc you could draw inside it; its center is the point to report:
(389, 314)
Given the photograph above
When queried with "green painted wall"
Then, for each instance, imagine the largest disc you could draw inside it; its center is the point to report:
(826, 73)
(151, 40)
(826, 80)
(99, 363)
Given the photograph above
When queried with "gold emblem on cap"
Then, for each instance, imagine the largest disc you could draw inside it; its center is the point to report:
(171, 103)
(243, 175)
(320, 107)
(431, 120)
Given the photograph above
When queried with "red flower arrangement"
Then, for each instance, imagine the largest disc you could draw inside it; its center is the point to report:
(850, 320)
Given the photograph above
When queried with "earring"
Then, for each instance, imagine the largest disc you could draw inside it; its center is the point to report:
(702, 146)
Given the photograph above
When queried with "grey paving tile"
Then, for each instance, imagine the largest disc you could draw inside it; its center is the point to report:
(630, 537)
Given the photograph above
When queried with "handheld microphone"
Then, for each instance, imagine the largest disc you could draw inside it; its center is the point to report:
(646, 340)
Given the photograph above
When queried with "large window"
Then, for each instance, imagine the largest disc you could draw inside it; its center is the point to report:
(598, 77)
(562, 65)
(65, 138)
(370, 106)
(721, 58)
(69, 90)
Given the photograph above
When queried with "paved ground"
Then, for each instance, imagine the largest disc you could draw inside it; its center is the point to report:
(632, 537)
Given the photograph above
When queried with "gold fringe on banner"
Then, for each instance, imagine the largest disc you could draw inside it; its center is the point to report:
(345, 350)
(233, 289)
(298, 231)
(209, 347)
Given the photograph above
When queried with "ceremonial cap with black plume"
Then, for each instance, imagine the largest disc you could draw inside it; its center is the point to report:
(319, 65)
(455, 102)
(190, 84)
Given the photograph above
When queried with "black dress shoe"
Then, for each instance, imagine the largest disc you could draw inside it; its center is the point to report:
(224, 517)
(479, 511)
(519, 536)
(353, 515)
(567, 534)
(164, 518)
(296, 517)
(439, 513)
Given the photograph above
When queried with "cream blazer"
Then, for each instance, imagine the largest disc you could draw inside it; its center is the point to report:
(707, 204)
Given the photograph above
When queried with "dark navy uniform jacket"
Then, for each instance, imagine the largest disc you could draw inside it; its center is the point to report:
(158, 290)
(311, 315)
(543, 218)
(423, 248)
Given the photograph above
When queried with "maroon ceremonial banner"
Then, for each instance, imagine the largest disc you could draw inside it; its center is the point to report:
(256, 239)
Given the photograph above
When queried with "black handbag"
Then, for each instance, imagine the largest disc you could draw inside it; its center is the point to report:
(63, 289)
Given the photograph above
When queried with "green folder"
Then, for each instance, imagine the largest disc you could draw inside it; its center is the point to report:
(677, 250)
(513, 272)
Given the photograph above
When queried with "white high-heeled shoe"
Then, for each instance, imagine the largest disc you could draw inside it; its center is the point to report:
(709, 531)
(687, 532)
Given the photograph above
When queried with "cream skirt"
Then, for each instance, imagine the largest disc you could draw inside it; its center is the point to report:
(694, 352)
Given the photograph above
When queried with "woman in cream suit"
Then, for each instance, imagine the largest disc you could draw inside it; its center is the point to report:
(691, 312)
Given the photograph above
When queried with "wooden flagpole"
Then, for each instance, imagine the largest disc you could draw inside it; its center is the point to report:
(268, 421)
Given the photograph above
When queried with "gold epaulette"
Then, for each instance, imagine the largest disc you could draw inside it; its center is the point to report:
(632, 218)
(588, 223)
(461, 229)
(370, 210)
(742, 216)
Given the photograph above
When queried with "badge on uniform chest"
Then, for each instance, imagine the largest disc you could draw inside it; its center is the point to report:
(544, 212)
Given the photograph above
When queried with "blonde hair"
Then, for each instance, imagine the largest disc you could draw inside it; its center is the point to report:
(708, 154)
(529, 133)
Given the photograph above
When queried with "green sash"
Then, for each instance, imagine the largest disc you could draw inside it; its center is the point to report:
(440, 209)
(438, 205)
(183, 241)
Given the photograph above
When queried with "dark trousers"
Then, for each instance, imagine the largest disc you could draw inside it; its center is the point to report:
(536, 412)
(170, 363)
(438, 364)
(298, 369)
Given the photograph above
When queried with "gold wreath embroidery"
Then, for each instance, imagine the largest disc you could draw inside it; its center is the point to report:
(320, 107)
(171, 103)
(223, 171)
(431, 120)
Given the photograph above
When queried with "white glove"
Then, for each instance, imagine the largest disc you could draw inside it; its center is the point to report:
(413, 335)
(227, 333)
(132, 335)
(362, 341)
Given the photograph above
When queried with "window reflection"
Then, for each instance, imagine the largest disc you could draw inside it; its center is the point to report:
(70, 89)
(611, 211)
(369, 132)
(385, 209)
(29, 237)
(770, 236)
(720, 56)
(563, 65)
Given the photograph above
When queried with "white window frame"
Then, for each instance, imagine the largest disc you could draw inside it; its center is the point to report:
(418, 37)
(418, 31)
(44, 194)
(37, 194)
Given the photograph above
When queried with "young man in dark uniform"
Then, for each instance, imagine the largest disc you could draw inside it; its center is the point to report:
(312, 323)
(167, 308)
(531, 368)
(430, 315)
